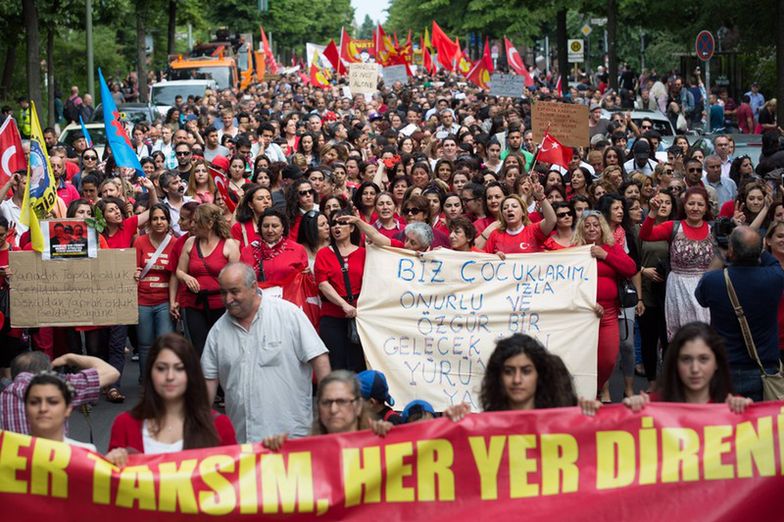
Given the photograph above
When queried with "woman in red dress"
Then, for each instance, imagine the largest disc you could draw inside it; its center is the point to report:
(612, 264)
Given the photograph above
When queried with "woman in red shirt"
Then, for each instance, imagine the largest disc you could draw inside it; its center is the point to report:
(515, 233)
(174, 412)
(387, 223)
(10, 339)
(274, 257)
(203, 256)
(612, 264)
(337, 308)
(256, 200)
(119, 231)
(154, 267)
(563, 235)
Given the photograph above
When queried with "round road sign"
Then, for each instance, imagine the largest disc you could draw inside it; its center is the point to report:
(705, 45)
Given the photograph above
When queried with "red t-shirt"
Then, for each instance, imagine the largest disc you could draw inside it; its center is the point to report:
(123, 238)
(649, 231)
(250, 231)
(482, 223)
(71, 170)
(327, 268)
(154, 287)
(530, 239)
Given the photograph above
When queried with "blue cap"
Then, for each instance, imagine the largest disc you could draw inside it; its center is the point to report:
(417, 406)
(373, 385)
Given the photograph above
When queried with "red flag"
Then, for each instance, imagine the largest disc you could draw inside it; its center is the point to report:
(427, 60)
(222, 185)
(516, 63)
(488, 58)
(445, 47)
(482, 69)
(551, 151)
(348, 51)
(12, 157)
(462, 61)
(332, 54)
(318, 77)
(384, 47)
(269, 58)
(559, 88)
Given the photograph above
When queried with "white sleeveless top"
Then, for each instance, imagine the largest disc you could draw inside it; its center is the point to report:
(153, 447)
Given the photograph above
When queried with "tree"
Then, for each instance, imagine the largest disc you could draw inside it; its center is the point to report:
(141, 54)
(30, 15)
(366, 29)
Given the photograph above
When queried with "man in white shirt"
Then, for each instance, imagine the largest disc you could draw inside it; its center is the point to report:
(11, 208)
(268, 148)
(263, 351)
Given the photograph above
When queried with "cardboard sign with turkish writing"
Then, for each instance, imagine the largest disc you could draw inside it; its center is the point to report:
(681, 462)
(74, 292)
(363, 78)
(430, 323)
(568, 122)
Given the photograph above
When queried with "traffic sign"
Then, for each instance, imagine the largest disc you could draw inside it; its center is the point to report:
(705, 46)
(576, 51)
(586, 30)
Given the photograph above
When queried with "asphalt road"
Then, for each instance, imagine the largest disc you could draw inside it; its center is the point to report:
(102, 414)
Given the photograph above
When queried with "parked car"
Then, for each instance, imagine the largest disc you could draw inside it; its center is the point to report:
(164, 93)
(130, 114)
(97, 133)
(661, 123)
(745, 145)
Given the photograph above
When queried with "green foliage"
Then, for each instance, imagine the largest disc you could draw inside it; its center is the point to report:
(366, 29)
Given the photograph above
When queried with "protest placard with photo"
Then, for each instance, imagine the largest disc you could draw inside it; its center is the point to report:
(68, 239)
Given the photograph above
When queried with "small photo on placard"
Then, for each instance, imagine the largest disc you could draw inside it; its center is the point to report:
(68, 239)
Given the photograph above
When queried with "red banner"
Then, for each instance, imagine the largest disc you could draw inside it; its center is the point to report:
(670, 462)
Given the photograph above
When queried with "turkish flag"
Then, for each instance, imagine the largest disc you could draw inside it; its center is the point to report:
(221, 184)
(516, 62)
(12, 158)
(551, 151)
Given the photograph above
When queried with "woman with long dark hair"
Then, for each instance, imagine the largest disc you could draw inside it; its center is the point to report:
(521, 375)
(654, 259)
(694, 371)
(338, 308)
(313, 234)
(173, 413)
(154, 267)
(300, 198)
(254, 202)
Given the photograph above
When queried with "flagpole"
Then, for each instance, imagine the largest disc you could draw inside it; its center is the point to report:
(536, 157)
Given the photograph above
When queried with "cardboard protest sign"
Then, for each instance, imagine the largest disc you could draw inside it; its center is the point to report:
(395, 73)
(568, 122)
(362, 78)
(74, 292)
(510, 85)
(431, 323)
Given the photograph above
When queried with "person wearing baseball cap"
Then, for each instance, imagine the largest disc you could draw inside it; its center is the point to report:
(374, 389)
(418, 410)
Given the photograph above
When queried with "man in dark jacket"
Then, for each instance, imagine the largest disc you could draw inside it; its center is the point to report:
(758, 281)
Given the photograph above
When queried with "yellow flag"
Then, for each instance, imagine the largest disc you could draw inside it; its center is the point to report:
(428, 46)
(40, 189)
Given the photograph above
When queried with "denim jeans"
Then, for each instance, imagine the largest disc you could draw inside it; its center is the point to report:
(748, 383)
(154, 321)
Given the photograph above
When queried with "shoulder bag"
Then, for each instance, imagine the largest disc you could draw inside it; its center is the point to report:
(772, 383)
(353, 334)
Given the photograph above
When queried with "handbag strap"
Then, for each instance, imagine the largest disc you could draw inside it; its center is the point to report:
(744, 324)
(344, 269)
(158, 251)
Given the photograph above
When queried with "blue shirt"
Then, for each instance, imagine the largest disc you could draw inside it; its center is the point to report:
(725, 188)
(759, 290)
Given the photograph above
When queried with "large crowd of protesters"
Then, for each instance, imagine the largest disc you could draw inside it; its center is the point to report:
(313, 176)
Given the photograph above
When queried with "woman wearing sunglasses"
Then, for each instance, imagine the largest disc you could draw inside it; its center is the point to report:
(300, 198)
